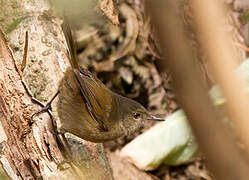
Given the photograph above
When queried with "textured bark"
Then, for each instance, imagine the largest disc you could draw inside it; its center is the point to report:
(33, 150)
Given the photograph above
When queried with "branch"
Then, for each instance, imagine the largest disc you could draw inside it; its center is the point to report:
(224, 159)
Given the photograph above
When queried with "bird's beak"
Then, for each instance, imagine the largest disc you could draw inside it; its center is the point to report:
(155, 118)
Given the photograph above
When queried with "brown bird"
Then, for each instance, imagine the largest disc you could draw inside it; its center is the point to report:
(89, 110)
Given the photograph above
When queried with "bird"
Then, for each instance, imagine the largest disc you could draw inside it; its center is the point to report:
(91, 111)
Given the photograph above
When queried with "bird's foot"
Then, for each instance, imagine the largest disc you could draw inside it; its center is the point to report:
(45, 108)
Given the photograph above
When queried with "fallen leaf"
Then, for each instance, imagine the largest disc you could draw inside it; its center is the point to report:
(107, 7)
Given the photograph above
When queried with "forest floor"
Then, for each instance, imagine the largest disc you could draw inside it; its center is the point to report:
(125, 58)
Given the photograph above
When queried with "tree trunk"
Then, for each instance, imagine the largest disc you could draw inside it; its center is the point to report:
(32, 149)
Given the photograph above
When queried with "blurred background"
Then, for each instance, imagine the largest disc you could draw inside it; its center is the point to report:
(117, 41)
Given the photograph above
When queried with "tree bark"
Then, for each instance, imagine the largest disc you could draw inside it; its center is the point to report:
(32, 149)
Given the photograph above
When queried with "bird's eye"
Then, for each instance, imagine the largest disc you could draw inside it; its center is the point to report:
(136, 115)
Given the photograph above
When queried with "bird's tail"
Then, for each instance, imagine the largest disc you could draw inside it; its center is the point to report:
(70, 43)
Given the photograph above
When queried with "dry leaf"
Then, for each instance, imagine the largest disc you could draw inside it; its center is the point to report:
(107, 7)
(131, 30)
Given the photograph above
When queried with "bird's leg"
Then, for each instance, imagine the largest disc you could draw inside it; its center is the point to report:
(62, 141)
(20, 71)
(46, 107)
(66, 151)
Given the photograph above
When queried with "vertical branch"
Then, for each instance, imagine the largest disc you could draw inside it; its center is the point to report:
(222, 61)
(224, 159)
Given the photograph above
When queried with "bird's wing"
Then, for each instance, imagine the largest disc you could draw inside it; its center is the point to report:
(96, 96)
(94, 92)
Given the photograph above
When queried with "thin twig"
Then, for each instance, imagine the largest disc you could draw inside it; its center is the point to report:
(24, 61)
(242, 46)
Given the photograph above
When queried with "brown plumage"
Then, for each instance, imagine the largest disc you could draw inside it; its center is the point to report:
(88, 109)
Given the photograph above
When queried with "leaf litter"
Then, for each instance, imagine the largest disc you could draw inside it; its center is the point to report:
(124, 56)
